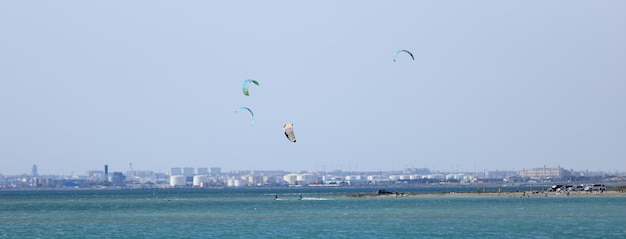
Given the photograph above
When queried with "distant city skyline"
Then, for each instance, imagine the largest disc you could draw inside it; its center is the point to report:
(35, 170)
(203, 177)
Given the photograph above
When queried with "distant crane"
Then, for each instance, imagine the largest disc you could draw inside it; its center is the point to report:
(130, 170)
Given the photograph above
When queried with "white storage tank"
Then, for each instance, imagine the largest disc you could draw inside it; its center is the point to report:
(177, 180)
(199, 180)
(234, 182)
(238, 183)
(305, 178)
(290, 178)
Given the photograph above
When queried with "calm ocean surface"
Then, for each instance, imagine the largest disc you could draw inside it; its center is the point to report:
(322, 213)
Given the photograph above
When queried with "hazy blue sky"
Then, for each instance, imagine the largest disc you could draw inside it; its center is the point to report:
(501, 85)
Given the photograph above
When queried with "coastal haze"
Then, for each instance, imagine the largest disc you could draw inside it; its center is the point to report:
(494, 85)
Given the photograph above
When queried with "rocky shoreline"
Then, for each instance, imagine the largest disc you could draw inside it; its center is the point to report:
(519, 194)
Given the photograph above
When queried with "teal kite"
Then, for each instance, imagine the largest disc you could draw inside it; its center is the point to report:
(246, 84)
(249, 110)
(398, 52)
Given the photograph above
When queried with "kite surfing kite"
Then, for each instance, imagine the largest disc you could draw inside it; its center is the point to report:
(246, 84)
(398, 52)
(248, 109)
(288, 128)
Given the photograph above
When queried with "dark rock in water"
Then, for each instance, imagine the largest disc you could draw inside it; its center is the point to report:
(383, 192)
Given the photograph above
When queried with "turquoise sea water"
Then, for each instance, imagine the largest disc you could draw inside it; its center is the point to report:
(322, 213)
